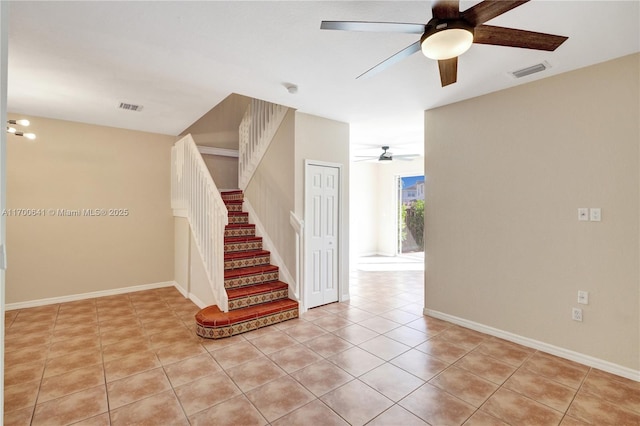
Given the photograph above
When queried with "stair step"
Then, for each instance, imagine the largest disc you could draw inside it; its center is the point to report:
(211, 323)
(235, 244)
(244, 259)
(234, 205)
(232, 195)
(239, 230)
(238, 217)
(241, 277)
(257, 294)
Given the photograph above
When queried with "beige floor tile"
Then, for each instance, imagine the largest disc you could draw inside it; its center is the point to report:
(395, 416)
(72, 361)
(124, 348)
(541, 389)
(355, 334)
(205, 392)
(621, 392)
(279, 397)
(464, 385)
(304, 332)
(480, 418)
(486, 367)
(36, 353)
(65, 347)
(231, 356)
(563, 371)
(570, 421)
(332, 322)
(178, 352)
(322, 377)
(315, 314)
(384, 347)
(115, 335)
(399, 316)
(429, 326)
(130, 365)
(356, 361)
(356, 402)
(328, 345)
(233, 412)
(255, 373)
(514, 408)
(355, 314)
(407, 336)
(437, 407)
(442, 349)
(134, 388)
(273, 342)
(101, 420)
(72, 408)
(419, 364)
(507, 352)
(173, 336)
(22, 395)
(73, 332)
(22, 373)
(391, 381)
(160, 409)
(190, 369)
(314, 413)
(594, 410)
(379, 325)
(294, 358)
(18, 417)
(74, 381)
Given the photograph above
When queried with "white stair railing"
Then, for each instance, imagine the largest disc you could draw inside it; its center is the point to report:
(194, 192)
(258, 127)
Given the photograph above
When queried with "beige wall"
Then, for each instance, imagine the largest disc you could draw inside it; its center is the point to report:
(321, 139)
(270, 191)
(224, 170)
(218, 128)
(506, 173)
(363, 226)
(81, 166)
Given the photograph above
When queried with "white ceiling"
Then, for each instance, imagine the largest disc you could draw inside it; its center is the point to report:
(78, 60)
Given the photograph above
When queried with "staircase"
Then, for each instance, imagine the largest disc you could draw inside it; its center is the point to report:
(256, 296)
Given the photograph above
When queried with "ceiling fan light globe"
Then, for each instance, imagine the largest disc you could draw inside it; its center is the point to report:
(447, 43)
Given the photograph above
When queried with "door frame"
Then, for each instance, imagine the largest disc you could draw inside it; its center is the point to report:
(306, 219)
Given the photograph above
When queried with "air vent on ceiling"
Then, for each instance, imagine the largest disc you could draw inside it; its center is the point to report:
(530, 70)
(130, 107)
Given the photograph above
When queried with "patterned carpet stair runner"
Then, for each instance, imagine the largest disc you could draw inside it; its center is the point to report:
(256, 296)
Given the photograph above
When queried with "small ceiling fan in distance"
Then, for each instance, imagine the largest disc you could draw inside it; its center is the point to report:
(451, 32)
(386, 156)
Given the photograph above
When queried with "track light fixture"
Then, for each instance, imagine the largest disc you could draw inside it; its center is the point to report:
(14, 131)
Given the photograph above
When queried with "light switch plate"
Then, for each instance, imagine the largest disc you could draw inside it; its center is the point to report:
(595, 214)
(583, 213)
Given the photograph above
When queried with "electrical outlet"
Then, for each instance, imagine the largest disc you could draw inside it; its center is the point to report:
(576, 314)
(583, 297)
(595, 214)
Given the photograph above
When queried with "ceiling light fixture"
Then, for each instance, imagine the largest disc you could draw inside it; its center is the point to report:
(14, 131)
(291, 88)
(446, 40)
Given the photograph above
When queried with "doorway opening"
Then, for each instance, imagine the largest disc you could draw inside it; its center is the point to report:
(410, 215)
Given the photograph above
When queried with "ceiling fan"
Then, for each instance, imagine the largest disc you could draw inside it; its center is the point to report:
(451, 32)
(387, 156)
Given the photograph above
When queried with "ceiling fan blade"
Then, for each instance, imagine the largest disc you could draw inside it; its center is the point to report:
(394, 59)
(489, 9)
(448, 71)
(446, 9)
(381, 27)
(487, 34)
(409, 156)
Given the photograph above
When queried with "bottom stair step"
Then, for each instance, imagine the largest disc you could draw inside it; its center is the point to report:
(211, 323)
(257, 294)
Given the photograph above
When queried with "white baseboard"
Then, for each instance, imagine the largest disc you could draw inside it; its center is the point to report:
(267, 244)
(91, 295)
(598, 363)
(199, 303)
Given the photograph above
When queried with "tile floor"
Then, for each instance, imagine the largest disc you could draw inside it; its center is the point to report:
(134, 359)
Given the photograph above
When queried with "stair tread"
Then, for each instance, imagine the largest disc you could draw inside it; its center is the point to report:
(245, 254)
(241, 239)
(240, 225)
(238, 213)
(212, 316)
(232, 192)
(249, 270)
(234, 293)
